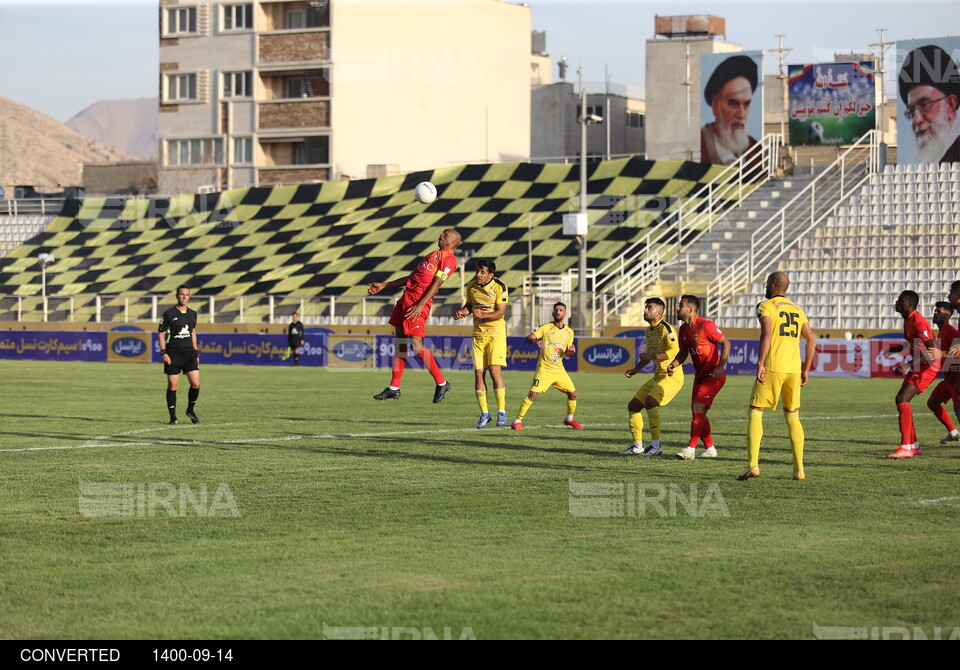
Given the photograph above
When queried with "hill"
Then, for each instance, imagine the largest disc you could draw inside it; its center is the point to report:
(129, 126)
(40, 151)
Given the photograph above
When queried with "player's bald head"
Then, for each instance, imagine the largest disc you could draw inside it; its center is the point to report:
(780, 281)
(450, 239)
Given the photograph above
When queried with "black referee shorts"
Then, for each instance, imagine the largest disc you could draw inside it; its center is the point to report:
(181, 361)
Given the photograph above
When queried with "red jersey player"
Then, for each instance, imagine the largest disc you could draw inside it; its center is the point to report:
(700, 338)
(946, 389)
(410, 314)
(920, 372)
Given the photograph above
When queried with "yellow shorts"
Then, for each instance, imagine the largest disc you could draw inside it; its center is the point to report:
(663, 389)
(544, 379)
(777, 385)
(489, 350)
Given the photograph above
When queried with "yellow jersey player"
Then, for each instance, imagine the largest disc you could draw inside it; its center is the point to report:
(487, 301)
(555, 340)
(779, 371)
(662, 348)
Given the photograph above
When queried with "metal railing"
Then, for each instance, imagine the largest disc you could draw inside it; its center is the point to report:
(796, 219)
(28, 206)
(617, 281)
(528, 310)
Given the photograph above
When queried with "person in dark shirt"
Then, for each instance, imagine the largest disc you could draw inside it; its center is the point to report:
(178, 346)
(295, 337)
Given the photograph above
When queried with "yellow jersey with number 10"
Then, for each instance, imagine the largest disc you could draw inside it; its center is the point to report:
(555, 342)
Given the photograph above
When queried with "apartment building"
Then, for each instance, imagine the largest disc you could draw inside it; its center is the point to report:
(279, 92)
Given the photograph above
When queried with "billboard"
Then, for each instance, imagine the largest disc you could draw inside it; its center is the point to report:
(731, 105)
(928, 92)
(831, 103)
(57, 346)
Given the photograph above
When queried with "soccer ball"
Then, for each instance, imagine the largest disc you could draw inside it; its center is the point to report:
(815, 132)
(425, 192)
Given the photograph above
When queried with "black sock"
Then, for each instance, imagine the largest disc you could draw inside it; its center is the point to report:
(172, 403)
(192, 396)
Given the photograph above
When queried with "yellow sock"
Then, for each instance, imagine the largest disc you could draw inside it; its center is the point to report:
(653, 413)
(501, 394)
(795, 430)
(636, 426)
(524, 406)
(571, 406)
(754, 435)
(482, 400)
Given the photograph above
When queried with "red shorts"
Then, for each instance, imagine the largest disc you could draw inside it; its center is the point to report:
(417, 327)
(923, 377)
(946, 390)
(706, 389)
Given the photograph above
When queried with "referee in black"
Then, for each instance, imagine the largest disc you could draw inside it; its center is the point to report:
(295, 337)
(178, 346)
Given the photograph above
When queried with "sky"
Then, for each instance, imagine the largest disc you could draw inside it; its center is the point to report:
(61, 56)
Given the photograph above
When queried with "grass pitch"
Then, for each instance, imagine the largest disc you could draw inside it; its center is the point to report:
(327, 509)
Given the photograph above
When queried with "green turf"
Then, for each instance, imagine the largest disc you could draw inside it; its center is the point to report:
(400, 514)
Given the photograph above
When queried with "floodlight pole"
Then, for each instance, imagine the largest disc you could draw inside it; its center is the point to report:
(582, 239)
(781, 52)
(882, 44)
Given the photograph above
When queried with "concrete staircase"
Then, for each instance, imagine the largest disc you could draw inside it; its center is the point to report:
(728, 240)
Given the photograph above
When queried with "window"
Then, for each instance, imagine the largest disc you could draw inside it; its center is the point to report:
(195, 152)
(296, 19)
(310, 84)
(634, 120)
(294, 87)
(597, 110)
(238, 17)
(181, 87)
(182, 21)
(237, 84)
(311, 151)
(243, 150)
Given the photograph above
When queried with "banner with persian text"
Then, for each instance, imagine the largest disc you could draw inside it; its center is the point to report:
(831, 103)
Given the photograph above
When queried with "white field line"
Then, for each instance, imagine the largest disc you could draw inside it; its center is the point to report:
(936, 501)
(337, 436)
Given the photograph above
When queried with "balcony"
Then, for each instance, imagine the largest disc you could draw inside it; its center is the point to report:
(308, 46)
(303, 113)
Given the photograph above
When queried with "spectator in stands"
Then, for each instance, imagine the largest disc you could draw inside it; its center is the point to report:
(930, 89)
(729, 92)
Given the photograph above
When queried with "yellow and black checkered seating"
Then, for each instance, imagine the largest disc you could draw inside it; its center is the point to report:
(333, 238)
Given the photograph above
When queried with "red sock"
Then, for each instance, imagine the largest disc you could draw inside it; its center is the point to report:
(907, 434)
(705, 433)
(431, 363)
(399, 363)
(696, 428)
(943, 416)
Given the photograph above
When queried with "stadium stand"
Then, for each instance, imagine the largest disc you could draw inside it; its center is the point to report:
(332, 238)
(900, 231)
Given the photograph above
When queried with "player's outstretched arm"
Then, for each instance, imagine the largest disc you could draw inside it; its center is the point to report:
(377, 286)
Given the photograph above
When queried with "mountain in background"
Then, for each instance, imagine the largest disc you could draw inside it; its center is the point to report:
(42, 152)
(129, 126)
